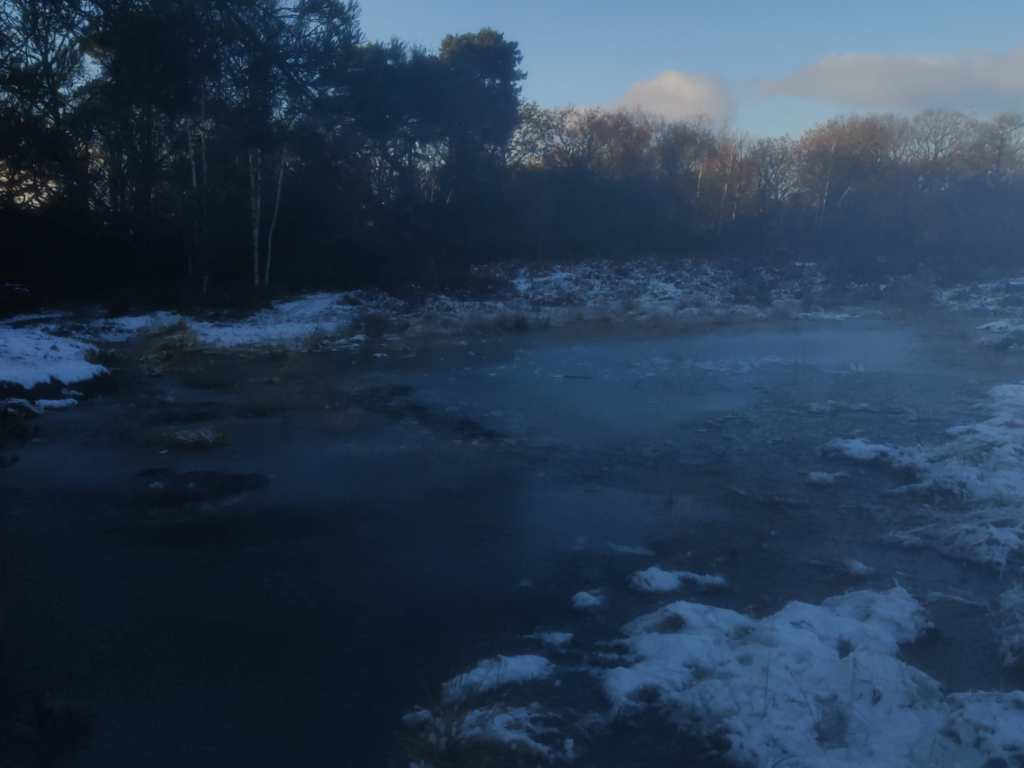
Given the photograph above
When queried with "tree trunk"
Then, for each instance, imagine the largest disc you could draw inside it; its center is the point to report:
(255, 209)
(273, 218)
(828, 183)
(204, 206)
(195, 204)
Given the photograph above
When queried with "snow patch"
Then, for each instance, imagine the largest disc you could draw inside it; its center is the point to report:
(655, 579)
(552, 639)
(521, 729)
(56, 405)
(819, 685)
(588, 601)
(286, 323)
(118, 329)
(1011, 636)
(859, 449)
(815, 686)
(628, 549)
(825, 478)
(29, 357)
(497, 672)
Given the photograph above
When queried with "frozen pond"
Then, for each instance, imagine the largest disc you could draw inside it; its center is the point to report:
(373, 527)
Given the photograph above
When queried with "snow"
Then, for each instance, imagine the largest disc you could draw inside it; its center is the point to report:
(825, 478)
(990, 723)
(497, 672)
(981, 463)
(811, 686)
(56, 405)
(655, 579)
(588, 601)
(629, 549)
(734, 367)
(553, 639)
(1011, 636)
(818, 685)
(285, 323)
(857, 568)
(521, 729)
(680, 293)
(1002, 296)
(859, 449)
(1002, 326)
(981, 467)
(822, 315)
(29, 357)
(123, 328)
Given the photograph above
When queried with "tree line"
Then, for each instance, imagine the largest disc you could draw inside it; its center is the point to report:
(200, 150)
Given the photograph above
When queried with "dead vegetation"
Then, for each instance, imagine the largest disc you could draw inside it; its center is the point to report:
(190, 438)
(159, 351)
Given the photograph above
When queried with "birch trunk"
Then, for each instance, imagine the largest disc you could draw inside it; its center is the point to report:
(273, 218)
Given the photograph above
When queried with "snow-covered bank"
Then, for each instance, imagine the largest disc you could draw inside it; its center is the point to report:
(811, 685)
(1001, 299)
(981, 463)
(685, 292)
(980, 468)
(30, 357)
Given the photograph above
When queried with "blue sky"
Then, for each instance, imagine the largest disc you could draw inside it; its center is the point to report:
(781, 66)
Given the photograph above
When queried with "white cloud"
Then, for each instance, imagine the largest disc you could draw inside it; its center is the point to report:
(680, 96)
(986, 82)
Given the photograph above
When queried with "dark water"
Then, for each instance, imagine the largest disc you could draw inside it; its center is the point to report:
(373, 527)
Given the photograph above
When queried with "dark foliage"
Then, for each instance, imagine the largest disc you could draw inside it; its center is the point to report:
(210, 150)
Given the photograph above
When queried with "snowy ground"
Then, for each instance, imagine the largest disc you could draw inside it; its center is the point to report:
(811, 685)
(1000, 303)
(29, 357)
(980, 468)
(38, 348)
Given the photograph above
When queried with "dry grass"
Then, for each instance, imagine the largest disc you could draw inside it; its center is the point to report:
(193, 439)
